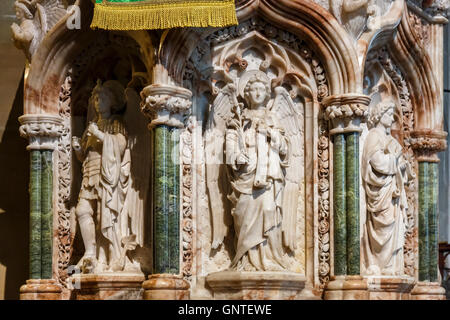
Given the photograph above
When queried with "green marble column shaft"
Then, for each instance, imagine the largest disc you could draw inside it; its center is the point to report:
(352, 201)
(174, 213)
(339, 205)
(35, 214)
(46, 214)
(433, 245)
(424, 255)
(166, 201)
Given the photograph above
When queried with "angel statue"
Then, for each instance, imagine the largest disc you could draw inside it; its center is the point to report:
(36, 18)
(259, 184)
(112, 198)
(385, 172)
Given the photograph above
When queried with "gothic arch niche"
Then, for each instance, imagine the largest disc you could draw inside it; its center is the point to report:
(384, 81)
(217, 64)
(121, 54)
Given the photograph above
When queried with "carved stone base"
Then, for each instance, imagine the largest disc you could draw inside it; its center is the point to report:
(428, 291)
(107, 287)
(40, 289)
(234, 285)
(390, 288)
(166, 287)
(346, 288)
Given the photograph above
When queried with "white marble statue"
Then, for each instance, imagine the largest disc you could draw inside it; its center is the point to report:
(113, 193)
(36, 18)
(259, 184)
(385, 173)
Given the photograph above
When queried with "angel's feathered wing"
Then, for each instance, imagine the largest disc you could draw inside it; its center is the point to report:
(216, 169)
(289, 117)
(139, 149)
(50, 13)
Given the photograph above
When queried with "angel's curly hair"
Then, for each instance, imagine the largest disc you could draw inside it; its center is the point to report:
(379, 110)
(254, 79)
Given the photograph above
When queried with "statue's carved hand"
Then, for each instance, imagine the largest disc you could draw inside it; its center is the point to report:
(242, 159)
(93, 129)
(15, 29)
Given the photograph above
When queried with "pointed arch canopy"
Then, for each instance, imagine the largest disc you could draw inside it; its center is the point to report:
(306, 19)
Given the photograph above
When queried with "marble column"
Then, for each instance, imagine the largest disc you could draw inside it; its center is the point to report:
(345, 113)
(426, 145)
(339, 205)
(166, 107)
(43, 131)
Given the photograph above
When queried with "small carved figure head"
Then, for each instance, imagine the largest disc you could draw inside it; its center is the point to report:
(382, 113)
(108, 97)
(257, 90)
(24, 10)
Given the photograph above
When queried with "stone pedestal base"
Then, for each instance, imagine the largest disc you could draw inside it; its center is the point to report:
(40, 289)
(428, 291)
(166, 287)
(346, 288)
(234, 285)
(390, 288)
(107, 287)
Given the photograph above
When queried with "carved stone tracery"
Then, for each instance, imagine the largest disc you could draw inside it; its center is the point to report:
(187, 231)
(291, 41)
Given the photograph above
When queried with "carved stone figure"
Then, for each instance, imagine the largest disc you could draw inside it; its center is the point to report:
(385, 172)
(36, 18)
(112, 198)
(260, 178)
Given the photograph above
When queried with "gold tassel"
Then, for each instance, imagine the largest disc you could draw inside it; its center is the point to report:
(164, 16)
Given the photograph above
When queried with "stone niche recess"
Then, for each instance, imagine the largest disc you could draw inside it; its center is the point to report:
(291, 156)
(219, 68)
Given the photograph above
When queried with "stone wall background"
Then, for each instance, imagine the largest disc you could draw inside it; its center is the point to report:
(14, 163)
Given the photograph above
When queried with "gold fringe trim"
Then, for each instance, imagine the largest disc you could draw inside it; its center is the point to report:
(151, 16)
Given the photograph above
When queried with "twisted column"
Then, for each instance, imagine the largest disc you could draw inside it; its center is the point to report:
(166, 106)
(345, 113)
(426, 144)
(43, 132)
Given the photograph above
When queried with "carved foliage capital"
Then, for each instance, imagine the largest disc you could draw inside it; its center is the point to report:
(42, 130)
(166, 104)
(427, 144)
(346, 111)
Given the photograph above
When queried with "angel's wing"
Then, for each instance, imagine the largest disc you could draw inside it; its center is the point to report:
(50, 13)
(139, 148)
(290, 118)
(216, 170)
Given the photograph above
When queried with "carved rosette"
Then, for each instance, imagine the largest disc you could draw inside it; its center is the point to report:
(64, 177)
(324, 204)
(346, 112)
(427, 144)
(42, 130)
(186, 152)
(166, 104)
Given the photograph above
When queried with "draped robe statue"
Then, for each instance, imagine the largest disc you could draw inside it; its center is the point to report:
(262, 195)
(109, 211)
(385, 173)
